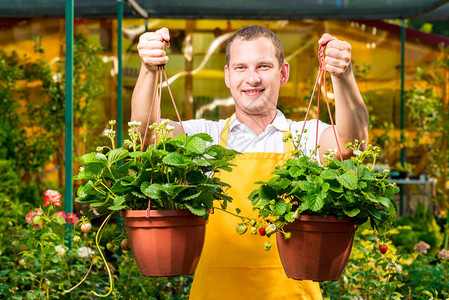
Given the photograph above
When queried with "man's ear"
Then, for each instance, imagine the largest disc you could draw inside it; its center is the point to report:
(285, 73)
(226, 71)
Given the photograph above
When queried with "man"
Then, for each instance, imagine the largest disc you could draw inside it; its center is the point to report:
(232, 266)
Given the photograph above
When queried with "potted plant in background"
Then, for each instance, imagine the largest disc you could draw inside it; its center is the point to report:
(314, 209)
(165, 193)
(401, 170)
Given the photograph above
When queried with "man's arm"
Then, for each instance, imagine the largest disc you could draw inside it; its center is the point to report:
(152, 54)
(351, 115)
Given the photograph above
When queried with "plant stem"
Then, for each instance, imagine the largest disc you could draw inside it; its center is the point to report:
(422, 264)
(42, 266)
(167, 173)
(110, 171)
(68, 271)
(82, 280)
(106, 187)
(235, 215)
(97, 241)
(100, 191)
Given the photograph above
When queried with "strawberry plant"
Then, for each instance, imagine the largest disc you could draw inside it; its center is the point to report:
(176, 173)
(303, 185)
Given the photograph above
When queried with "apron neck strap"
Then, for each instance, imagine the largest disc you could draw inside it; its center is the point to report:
(225, 133)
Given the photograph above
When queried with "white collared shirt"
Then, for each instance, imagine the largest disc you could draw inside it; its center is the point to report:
(242, 139)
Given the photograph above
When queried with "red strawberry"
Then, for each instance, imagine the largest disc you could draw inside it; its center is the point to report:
(262, 231)
(383, 249)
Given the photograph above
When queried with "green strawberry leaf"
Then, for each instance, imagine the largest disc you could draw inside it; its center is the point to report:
(329, 174)
(305, 185)
(351, 213)
(85, 189)
(267, 193)
(289, 216)
(118, 204)
(196, 145)
(204, 136)
(154, 190)
(280, 207)
(196, 210)
(174, 159)
(384, 201)
(296, 171)
(315, 202)
(136, 154)
(348, 180)
(116, 154)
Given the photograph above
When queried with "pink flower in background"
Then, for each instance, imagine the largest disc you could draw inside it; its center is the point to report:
(30, 216)
(421, 247)
(72, 218)
(443, 254)
(61, 213)
(52, 196)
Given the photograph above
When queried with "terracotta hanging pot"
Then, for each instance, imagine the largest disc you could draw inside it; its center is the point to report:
(318, 249)
(167, 243)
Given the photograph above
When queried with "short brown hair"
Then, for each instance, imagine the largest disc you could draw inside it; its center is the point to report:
(253, 32)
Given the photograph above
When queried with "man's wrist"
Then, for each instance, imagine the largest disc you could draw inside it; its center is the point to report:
(345, 76)
(148, 68)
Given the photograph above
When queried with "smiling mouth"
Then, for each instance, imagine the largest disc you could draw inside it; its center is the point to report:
(252, 92)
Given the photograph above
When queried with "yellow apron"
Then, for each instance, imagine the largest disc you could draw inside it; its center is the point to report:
(234, 267)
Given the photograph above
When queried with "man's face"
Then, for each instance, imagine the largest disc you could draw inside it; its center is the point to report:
(254, 76)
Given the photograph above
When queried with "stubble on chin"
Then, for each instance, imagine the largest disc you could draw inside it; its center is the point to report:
(260, 104)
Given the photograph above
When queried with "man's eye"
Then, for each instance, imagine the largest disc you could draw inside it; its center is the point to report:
(264, 67)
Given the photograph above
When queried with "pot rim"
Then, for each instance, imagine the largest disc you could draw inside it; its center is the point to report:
(329, 218)
(157, 213)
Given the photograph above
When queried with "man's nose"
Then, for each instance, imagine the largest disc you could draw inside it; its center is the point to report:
(253, 77)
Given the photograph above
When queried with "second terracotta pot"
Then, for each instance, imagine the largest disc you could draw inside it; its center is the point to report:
(318, 249)
(168, 243)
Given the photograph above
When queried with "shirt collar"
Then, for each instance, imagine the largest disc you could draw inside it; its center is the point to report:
(279, 122)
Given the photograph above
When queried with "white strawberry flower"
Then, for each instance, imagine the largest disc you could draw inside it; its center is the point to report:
(134, 124)
(107, 132)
